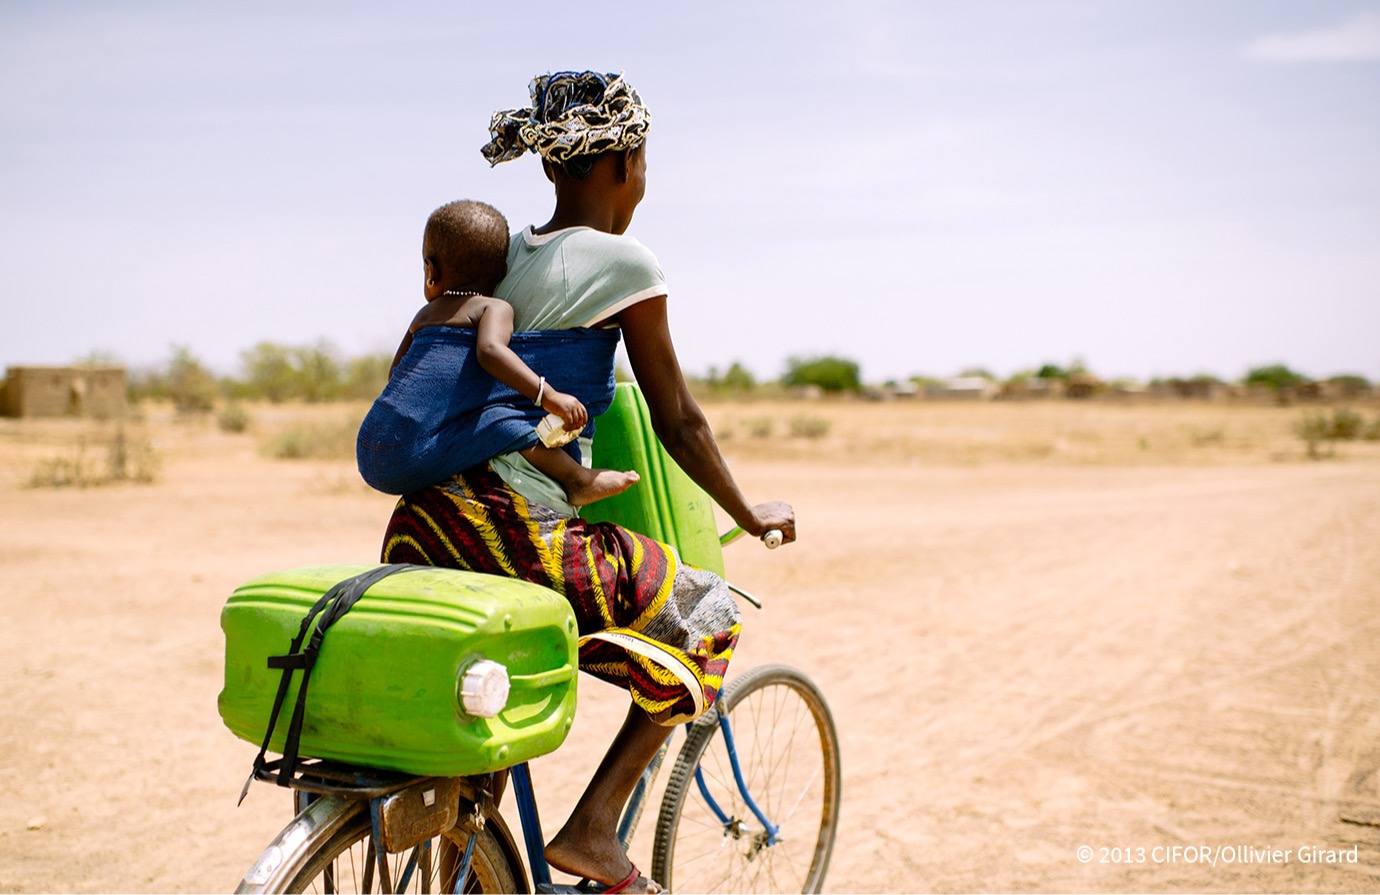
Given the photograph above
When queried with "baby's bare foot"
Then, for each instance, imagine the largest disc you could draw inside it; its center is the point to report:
(602, 483)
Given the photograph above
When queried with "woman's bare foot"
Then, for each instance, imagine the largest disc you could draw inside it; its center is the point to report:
(587, 844)
(600, 483)
(602, 862)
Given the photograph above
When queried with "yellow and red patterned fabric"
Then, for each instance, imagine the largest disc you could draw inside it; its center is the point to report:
(647, 622)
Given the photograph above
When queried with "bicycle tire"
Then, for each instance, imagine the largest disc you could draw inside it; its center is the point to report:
(338, 845)
(794, 777)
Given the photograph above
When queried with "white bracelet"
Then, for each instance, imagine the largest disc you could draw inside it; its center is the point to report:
(540, 388)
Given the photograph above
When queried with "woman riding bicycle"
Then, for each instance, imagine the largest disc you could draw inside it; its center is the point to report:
(663, 630)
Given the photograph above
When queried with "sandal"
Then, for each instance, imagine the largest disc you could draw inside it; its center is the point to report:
(592, 888)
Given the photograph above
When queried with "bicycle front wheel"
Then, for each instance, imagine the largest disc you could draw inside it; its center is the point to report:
(785, 751)
(329, 848)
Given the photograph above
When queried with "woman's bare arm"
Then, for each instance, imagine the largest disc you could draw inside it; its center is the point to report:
(680, 424)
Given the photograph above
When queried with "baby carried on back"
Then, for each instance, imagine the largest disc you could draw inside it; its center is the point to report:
(441, 413)
(463, 388)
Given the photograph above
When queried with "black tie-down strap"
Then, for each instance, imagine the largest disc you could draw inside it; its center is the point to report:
(332, 605)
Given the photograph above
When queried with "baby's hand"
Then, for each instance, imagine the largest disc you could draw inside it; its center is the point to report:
(567, 407)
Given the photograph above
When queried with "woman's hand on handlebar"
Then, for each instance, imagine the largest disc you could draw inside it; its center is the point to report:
(774, 515)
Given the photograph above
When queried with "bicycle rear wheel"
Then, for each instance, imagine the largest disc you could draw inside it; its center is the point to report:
(708, 837)
(329, 848)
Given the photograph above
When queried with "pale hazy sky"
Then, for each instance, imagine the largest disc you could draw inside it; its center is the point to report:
(1157, 187)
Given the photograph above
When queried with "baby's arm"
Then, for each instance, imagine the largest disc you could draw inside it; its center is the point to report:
(494, 329)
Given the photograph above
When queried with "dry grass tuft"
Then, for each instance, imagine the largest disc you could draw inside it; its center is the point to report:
(315, 440)
(125, 459)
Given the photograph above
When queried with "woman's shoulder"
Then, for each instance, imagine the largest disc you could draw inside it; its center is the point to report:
(577, 277)
(613, 247)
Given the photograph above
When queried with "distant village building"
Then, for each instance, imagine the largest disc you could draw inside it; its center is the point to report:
(890, 391)
(1026, 388)
(1200, 388)
(904, 389)
(1082, 385)
(1346, 388)
(97, 392)
(1129, 388)
(964, 388)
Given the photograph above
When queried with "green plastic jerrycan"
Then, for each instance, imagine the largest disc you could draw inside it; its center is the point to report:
(386, 688)
(666, 505)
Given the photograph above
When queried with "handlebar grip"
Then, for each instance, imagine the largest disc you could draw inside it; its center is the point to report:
(772, 539)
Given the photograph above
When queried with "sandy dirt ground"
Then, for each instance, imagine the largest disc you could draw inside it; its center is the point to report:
(1153, 632)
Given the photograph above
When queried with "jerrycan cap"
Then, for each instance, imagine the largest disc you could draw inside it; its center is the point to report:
(484, 689)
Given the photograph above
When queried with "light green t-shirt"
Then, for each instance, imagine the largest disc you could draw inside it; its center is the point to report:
(569, 279)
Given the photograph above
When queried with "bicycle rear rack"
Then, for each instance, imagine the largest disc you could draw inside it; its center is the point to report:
(332, 778)
(405, 810)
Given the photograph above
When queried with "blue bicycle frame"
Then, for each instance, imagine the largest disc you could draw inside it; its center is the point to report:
(535, 842)
(526, 798)
(770, 828)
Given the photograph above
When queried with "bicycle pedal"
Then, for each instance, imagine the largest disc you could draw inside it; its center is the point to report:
(560, 889)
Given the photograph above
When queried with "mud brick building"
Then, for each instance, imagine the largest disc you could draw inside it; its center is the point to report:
(96, 392)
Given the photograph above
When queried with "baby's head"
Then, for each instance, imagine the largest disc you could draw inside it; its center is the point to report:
(465, 248)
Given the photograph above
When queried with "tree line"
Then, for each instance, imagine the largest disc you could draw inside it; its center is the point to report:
(840, 375)
(320, 372)
(268, 372)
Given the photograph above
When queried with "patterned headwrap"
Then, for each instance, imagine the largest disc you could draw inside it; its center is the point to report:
(572, 114)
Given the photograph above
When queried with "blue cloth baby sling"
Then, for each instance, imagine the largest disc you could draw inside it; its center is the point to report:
(441, 413)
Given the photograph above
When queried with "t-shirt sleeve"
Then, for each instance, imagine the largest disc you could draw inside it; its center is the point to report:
(620, 274)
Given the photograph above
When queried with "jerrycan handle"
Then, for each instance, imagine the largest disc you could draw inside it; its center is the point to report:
(542, 679)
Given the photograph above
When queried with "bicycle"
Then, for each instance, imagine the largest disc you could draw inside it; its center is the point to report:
(751, 805)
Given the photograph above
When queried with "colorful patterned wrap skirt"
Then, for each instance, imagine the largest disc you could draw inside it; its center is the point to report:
(662, 630)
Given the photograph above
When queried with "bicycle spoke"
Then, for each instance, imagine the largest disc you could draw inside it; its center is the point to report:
(787, 758)
(370, 863)
(798, 879)
(718, 885)
(808, 783)
(716, 853)
(346, 862)
(772, 770)
(424, 867)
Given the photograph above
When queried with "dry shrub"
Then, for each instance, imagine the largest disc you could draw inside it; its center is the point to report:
(126, 460)
(338, 484)
(1320, 432)
(233, 418)
(132, 460)
(315, 441)
(72, 470)
(807, 426)
(1201, 436)
(758, 426)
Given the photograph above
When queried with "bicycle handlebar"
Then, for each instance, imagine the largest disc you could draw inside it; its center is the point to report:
(772, 538)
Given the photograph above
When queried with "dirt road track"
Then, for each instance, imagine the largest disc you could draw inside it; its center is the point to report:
(1022, 660)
